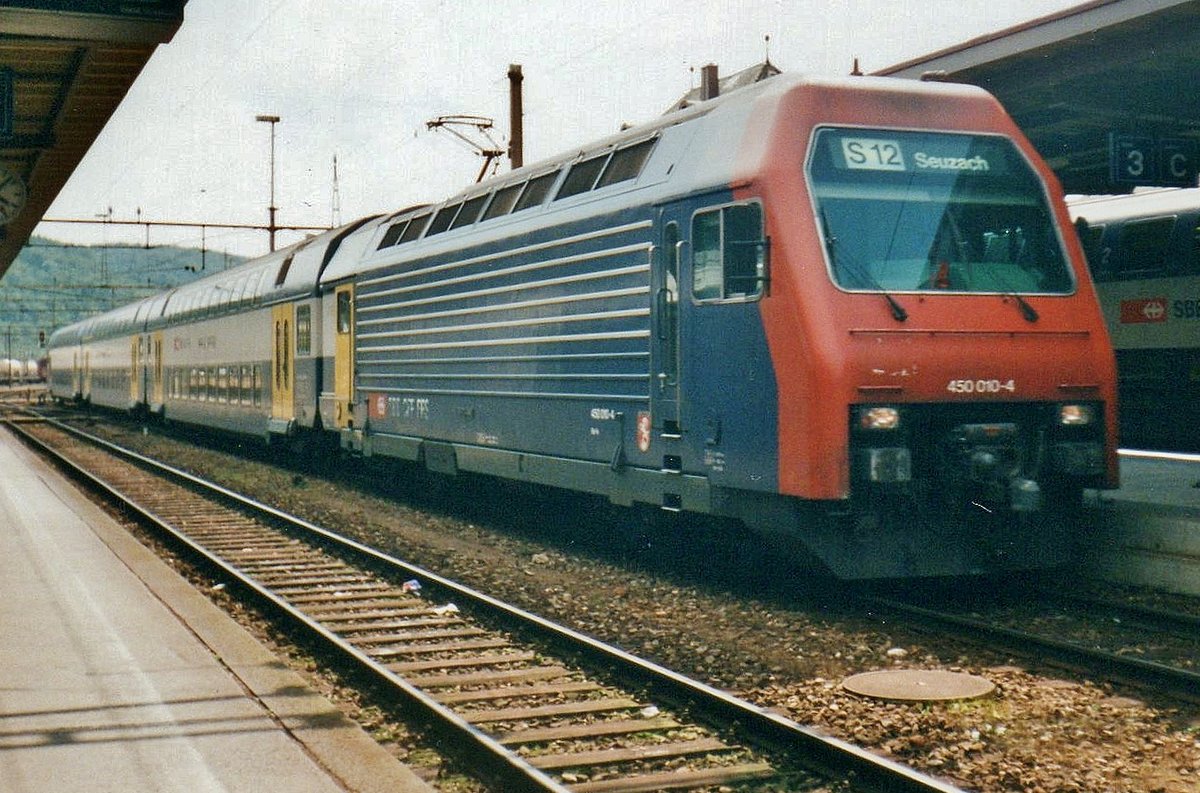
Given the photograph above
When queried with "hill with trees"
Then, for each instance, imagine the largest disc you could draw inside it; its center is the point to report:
(51, 284)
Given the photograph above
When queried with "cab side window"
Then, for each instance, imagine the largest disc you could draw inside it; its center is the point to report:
(729, 254)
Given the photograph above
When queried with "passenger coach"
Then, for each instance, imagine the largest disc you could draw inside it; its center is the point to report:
(1144, 255)
(849, 312)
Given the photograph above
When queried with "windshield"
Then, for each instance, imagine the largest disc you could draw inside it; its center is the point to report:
(920, 211)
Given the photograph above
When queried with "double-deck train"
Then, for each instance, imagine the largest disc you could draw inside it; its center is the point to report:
(1144, 253)
(851, 313)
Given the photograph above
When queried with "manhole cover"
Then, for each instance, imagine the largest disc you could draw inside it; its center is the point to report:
(918, 685)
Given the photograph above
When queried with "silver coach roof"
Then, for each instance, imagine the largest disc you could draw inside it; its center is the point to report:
(285, 274)
(1098, 209)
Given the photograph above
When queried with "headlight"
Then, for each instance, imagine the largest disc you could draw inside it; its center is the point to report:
(879, 418)
(1076, 415)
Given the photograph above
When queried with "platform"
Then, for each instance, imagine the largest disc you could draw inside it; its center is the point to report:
(117, 675)
(1148, 531)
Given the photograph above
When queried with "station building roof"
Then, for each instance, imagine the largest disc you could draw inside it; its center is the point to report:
(1106, 91)
(70, 62)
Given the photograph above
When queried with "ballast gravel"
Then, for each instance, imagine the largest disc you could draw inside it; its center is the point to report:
(706, 600)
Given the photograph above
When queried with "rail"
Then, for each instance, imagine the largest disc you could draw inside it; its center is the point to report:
(366, 617)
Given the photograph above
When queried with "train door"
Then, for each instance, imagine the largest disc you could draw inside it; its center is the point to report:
(343, 357)
(664, 347)
(283, 386)
(135, 370)
(728, 396)
(156, 389)
(76, 376)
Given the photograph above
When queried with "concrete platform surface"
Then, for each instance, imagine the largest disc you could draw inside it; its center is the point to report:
(116, 675)
(1148, 533)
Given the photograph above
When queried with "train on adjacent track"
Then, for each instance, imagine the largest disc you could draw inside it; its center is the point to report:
(851, 313)
(14, 370)
(1144, 252)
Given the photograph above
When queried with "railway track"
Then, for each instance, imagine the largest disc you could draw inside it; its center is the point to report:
(1104, 654)
(1180, 623)
(530, 704)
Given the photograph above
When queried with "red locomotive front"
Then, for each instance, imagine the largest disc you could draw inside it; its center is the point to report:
(943, 367)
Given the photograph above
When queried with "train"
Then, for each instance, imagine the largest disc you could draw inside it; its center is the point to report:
(849, 315)
(15, 370)
(1144, 256)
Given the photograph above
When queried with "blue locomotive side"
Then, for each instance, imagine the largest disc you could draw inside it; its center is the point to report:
(513, 346)
(553, 345)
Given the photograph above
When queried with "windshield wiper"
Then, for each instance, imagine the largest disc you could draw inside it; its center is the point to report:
(898, 312)
(1027, 311)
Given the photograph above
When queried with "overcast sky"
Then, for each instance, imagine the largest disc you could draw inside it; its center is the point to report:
(359, 79)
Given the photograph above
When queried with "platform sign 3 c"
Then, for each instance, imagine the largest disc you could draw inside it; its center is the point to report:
(1177, 162)
(1148, 160)
(1143, 309)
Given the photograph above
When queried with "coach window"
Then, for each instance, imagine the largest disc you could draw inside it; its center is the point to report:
(582, 177)
(536, 191)
(626, 163)
(1193, 265)
(469, 212)
(286, 349)
(303, 330)
(729, 253)
(278, 356)
(392, 234)
(1142, 247)
(343, 312)
(1091, 238)
(504, 200)
(283, 270)
(442, 220)
(414, 228)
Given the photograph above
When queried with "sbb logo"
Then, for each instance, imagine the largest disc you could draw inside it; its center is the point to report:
(1143, 309)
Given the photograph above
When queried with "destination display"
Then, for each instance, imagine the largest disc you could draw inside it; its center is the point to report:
(917, 153)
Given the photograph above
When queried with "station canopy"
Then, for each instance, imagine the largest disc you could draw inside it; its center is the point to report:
(65, 65)
(1106, 91)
